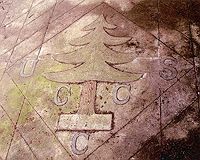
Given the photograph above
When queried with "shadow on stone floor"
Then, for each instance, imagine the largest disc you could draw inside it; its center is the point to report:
(186, 148)
(174, 15)
(145, 13)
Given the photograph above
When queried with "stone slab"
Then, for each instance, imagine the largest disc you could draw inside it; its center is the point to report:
(95, 122)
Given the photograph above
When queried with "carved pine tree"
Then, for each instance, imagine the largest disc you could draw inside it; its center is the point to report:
(94, 62)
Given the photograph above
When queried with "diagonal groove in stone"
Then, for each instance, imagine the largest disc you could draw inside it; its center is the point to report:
(132, 119)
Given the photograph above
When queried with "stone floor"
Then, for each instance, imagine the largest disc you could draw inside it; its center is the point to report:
(128, 88)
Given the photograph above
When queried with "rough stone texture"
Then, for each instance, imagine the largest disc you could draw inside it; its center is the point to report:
(159, 120)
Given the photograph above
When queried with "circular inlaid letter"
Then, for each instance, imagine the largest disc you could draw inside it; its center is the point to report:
(61, 98)
(79, 145)
(116, 98)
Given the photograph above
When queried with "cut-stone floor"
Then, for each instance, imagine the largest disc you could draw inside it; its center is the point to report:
(153, 117)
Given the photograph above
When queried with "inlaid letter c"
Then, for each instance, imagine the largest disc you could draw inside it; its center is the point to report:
(74, 143)
(115, 94)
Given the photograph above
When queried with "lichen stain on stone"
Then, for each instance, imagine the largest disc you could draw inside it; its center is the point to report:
(6, 130)
(40, 93)
(14, 98)
(75, 96)
(25, 114)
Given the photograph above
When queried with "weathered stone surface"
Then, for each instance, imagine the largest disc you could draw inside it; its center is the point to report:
(76, 122)
(99, 79)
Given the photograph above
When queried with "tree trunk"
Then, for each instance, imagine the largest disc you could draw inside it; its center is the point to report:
(88, 97)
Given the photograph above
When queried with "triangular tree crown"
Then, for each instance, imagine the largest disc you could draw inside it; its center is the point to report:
(95, 58)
